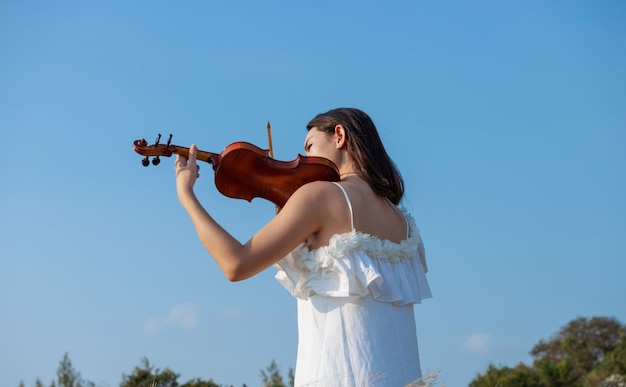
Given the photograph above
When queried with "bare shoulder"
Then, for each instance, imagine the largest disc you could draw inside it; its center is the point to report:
(315, 194)
(318, 187)
(317, 202)
(306, 212)
(322, 205)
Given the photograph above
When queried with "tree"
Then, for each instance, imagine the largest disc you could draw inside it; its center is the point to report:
(67, 376)
(273, 378)
(144, 375)
(585, 352)
(148, 376)
(579, 347)
(200, 383)
(613, 365)
(520, 376)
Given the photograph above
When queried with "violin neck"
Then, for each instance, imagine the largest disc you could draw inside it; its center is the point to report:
(205, 156)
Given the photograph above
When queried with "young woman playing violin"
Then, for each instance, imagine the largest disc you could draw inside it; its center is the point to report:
(352, 258)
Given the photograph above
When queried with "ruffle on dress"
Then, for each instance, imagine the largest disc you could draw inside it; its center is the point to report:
(358, 264)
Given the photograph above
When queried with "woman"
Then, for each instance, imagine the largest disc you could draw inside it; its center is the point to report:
(352, 258)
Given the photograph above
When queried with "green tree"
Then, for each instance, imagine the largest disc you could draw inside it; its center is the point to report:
(200, 383)
(580, 346)
(520, 376)
(271, 377)
(67, 376)
(612, 367)
(147, 376)
(560, 373)
(585, 353)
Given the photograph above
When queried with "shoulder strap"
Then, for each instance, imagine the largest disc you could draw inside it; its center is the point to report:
(406, 220)
(408, 227)
(345, 194)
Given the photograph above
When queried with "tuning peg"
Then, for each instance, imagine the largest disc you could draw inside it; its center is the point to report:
(145, 161)
(169, 140)
(156, 160)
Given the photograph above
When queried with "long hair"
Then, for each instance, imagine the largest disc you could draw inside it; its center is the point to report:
(366, 149)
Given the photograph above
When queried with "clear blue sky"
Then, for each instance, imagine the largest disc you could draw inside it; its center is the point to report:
(507, 119)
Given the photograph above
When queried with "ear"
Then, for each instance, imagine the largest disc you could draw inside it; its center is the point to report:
(340, 136)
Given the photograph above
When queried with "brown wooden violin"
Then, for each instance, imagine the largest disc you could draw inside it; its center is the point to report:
(245, 171)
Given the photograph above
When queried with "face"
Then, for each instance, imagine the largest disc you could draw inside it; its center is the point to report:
(321, 144)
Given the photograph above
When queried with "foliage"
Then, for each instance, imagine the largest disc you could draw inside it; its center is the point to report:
(67, 376)
(201, 383)
(273, 378)
(585, 353)
(146, 375)
(519, 376)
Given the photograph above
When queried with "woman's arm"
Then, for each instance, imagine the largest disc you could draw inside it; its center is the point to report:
(301, 216)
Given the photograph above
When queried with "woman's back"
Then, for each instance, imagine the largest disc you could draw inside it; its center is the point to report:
(369, 213)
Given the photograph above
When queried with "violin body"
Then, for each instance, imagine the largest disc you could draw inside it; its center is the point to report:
(245, 171)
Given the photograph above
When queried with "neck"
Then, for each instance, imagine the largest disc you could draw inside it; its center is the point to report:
(347, 174)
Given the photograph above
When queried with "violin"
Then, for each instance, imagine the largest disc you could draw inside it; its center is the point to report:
(245, 171)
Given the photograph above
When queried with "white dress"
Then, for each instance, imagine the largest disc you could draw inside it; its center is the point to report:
(356, 325)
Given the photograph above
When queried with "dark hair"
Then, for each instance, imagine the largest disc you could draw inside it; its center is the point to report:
(366, 149)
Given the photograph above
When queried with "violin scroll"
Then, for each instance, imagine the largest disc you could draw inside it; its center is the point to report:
(156, 150)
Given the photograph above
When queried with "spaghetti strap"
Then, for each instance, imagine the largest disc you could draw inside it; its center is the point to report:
(349, 204)
(406, 221)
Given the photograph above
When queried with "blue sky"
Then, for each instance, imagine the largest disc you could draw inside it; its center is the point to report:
(507, 120)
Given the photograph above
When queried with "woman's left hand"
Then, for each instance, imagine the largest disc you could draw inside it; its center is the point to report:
(187, 171)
